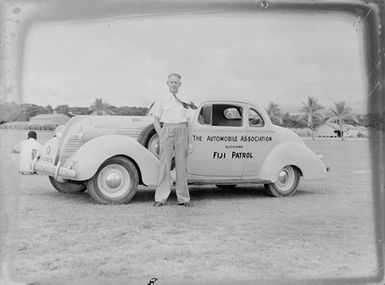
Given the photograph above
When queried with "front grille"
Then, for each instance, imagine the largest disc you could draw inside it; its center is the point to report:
(70, 146)
(66, 135)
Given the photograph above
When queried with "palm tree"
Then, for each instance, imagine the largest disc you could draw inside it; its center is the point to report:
(100, 108)
(274, 113)
(340, 114)
(310, 110)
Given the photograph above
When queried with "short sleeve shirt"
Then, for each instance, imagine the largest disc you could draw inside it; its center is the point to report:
(29, 149)
(169, 110)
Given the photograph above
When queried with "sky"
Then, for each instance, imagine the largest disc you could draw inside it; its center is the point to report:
(280, 58)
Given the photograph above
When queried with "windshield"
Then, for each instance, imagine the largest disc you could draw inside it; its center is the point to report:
(149, 111)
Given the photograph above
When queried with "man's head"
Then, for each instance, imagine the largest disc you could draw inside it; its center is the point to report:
(174, 82)
(32, 135)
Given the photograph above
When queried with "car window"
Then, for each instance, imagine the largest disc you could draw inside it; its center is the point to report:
(205, 115)
(226, 115)
(255, 119)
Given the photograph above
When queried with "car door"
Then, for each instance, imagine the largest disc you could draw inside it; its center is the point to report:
(216, 133)
(259, 141)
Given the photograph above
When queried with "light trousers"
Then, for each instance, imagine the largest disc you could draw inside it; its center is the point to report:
(173, 139)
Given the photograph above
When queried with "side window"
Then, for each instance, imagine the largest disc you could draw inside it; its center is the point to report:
(226, 115)
(255, 119)
(205, 115)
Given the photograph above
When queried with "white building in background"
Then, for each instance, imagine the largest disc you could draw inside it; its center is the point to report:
(329, 130)
(58, 119)
(332, 130)
(358, 131)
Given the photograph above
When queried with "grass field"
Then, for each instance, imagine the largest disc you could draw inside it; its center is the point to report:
(325, 231)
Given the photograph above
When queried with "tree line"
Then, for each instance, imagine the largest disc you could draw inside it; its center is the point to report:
(11, 112)
(309, 116)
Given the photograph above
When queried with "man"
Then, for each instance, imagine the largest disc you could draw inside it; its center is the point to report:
(28, 150)
(174, 136)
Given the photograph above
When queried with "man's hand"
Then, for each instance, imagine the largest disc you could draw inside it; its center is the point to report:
(158, 131)
(157, 125)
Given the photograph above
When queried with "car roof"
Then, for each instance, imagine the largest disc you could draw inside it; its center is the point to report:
(225, 101)
(230, 101)
(222, 100)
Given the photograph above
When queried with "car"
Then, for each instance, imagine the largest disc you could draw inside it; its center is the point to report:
(233, 142)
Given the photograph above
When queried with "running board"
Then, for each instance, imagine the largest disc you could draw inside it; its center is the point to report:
(227, 182)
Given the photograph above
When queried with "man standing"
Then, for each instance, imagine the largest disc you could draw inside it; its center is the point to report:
(174, 136)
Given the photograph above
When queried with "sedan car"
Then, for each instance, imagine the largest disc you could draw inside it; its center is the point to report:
(233, 143)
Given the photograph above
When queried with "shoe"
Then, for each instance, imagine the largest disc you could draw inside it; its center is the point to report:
(186, 204)
(157, 204)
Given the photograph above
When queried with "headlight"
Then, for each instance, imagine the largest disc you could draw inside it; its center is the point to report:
(80, 136)
(59, 131)
(70, 163)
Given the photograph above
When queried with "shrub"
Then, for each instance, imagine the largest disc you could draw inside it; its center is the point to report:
(29, 126)
(49, 127)
(361, 135)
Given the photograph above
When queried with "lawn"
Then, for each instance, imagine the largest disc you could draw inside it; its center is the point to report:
(325, 231)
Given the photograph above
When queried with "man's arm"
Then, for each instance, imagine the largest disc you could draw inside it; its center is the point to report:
(156, 113)
(157, 125)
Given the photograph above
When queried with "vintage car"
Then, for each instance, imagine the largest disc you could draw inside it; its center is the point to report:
(233, 143)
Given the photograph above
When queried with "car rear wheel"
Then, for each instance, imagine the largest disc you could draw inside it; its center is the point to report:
(67, 187)
(287, 182)
(115, 182)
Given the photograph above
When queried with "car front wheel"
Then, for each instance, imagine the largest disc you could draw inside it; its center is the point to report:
(287, 182)
(115, 182)
(153, 144)
(67, 187)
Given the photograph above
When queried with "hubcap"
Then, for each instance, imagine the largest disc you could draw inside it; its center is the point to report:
(283, 176)
(286, 179)
(114, 181)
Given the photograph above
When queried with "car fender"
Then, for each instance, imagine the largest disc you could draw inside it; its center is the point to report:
(292, 153)
(145, 134)
(88, 158)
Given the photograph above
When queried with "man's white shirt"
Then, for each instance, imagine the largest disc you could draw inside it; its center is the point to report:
(29, 149)
(169, 110)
